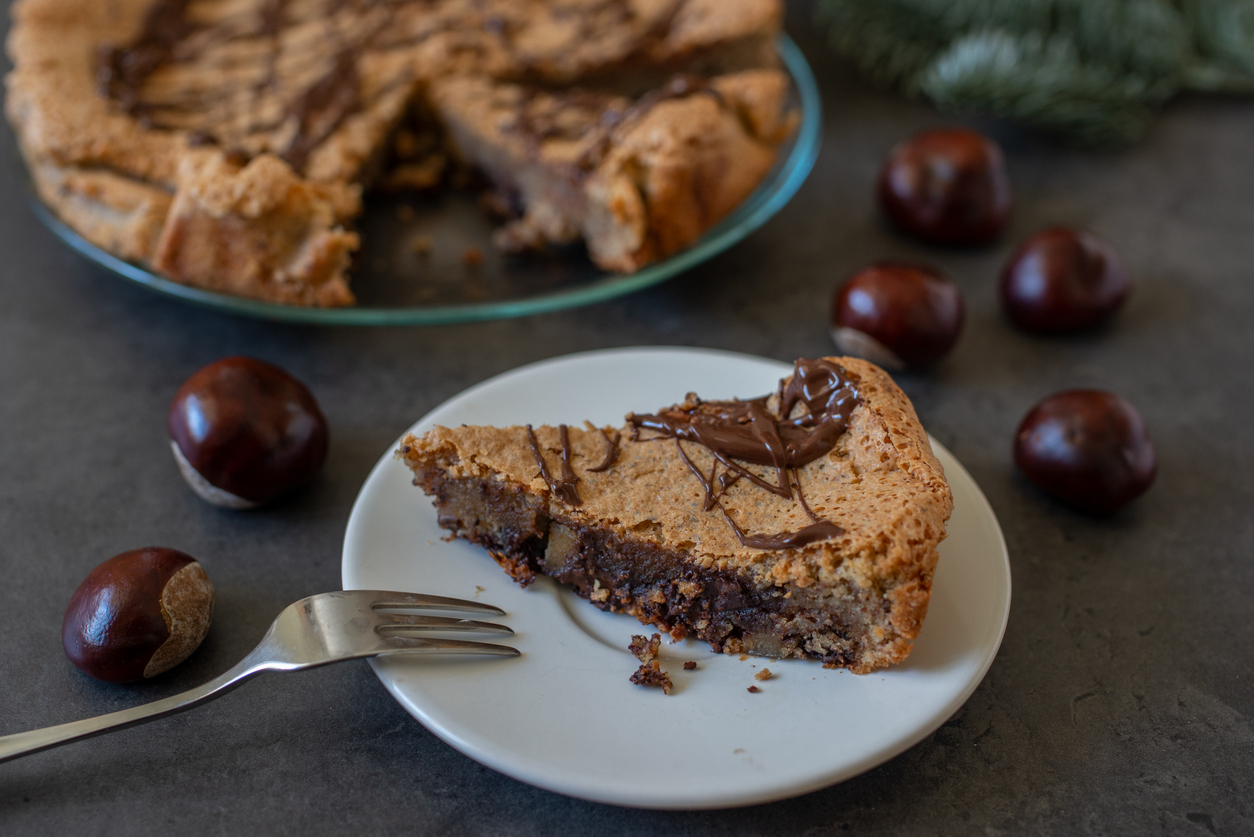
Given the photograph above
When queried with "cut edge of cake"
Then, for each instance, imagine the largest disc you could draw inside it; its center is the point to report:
(674, 163)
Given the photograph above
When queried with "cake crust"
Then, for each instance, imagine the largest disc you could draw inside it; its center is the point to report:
(880, 485)
(199, 88)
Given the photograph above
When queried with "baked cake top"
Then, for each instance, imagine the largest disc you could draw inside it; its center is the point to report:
(870, 505)
(320, 82)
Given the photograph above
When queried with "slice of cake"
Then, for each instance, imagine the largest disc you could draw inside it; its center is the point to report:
(800, 524)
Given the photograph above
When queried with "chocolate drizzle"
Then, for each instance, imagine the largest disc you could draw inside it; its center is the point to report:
(611, 451)
(564, 488)
(591, 18)
(321, 108)
(289, 117)
(593, 117)
(122, 72)
(813, 408)
(681, 85)
(256, 108)
(568, 474)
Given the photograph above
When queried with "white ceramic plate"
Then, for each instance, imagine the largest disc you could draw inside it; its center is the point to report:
(564, 717)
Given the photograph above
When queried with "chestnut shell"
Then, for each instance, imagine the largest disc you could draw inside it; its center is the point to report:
(114, 624)
(910, 310)
(947, 186)
(1063, 279)
(248, 428)
(1089, 448)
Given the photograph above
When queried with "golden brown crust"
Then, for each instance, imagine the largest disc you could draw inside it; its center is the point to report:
(52, 96)
(881, 484)
(123, 182)
(258, 231)
(680, 170)
(116, 213)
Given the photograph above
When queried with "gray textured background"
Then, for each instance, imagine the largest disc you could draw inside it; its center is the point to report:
(1120, 702)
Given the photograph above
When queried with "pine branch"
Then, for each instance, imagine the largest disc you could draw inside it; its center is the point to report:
(1094, 71)
(890, 41)
(1224, 38)
(1043, 82)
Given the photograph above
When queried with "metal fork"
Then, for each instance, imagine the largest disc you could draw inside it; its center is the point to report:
(312, 632)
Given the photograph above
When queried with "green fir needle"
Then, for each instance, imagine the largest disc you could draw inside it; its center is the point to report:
(1093, 71)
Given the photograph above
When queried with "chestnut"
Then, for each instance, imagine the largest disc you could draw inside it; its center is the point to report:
(897, 315)
(947, 186)
(138, 614)
(245, 432)
(1062, 279)
(1088, 448)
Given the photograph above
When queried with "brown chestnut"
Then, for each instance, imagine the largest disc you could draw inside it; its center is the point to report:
(1088, 448)
(138, 614)
(947, 186)
(245, 432)
(897, 315)
(1062, 279)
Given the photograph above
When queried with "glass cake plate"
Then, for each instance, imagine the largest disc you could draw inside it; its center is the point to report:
(397, 285)
(564, 717)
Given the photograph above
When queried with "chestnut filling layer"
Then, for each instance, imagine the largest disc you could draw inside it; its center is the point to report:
(656, 585)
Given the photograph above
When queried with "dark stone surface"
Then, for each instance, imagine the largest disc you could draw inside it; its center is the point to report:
(1122, 698)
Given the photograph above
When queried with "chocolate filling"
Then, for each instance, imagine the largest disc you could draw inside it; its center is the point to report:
(654, 584)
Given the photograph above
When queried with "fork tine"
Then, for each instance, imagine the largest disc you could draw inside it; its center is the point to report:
(425, 645)
(388, 600)
(406, 624)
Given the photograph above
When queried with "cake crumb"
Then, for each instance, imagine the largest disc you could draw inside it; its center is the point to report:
(754, 689)
(691, 665)
(764, 674)
(650, 673)
(645, 649)
(421, 245)
(472, 257)
(744, 657)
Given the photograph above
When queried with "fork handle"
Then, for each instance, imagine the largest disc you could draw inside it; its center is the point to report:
(24, 743)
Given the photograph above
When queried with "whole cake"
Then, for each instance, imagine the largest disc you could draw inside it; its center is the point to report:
(226, 143)
(800, 524)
